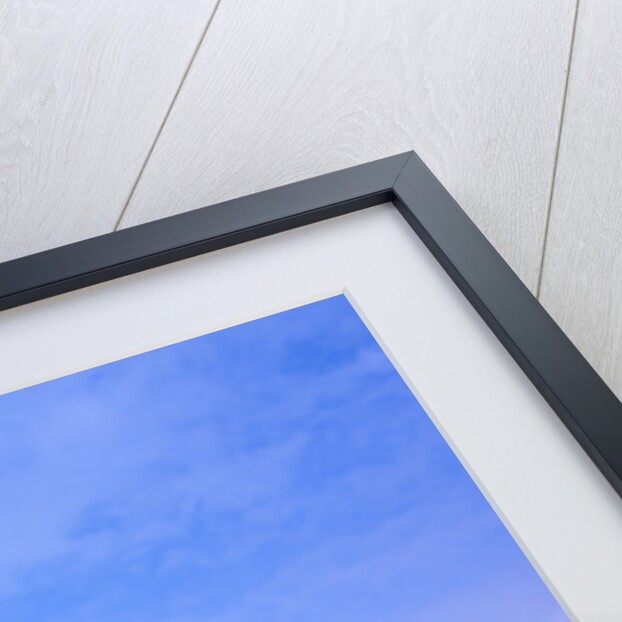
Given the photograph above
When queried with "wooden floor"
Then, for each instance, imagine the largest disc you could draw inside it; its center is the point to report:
(113, 114)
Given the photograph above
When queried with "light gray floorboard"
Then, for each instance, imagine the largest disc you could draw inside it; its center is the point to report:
(84, 87)
(582, 270)
(282, 91)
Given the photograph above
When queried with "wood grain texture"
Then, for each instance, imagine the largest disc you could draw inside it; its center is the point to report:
(84, 87)
(282, 91)
(582, 271)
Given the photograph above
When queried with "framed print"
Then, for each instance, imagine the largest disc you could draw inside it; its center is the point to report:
(332, 398)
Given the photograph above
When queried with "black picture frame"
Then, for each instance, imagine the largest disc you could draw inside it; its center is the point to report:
(572, 388)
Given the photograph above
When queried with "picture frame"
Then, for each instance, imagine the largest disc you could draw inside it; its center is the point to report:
(575, 392)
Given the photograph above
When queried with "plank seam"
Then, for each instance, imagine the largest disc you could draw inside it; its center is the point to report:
(547, 218)
(166, 115)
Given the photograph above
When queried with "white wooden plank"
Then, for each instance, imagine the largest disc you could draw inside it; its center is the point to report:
(84, 87)
(281, 91)
(582, 275)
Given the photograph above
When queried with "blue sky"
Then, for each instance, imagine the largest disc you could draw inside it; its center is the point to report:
(279, 470)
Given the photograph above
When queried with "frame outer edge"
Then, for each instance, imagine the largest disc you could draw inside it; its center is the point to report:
(573, 389)
(113, 255)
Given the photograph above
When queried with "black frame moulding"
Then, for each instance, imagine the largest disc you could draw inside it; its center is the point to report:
(581, 399)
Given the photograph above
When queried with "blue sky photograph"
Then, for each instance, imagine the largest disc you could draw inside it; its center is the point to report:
(276, 471)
